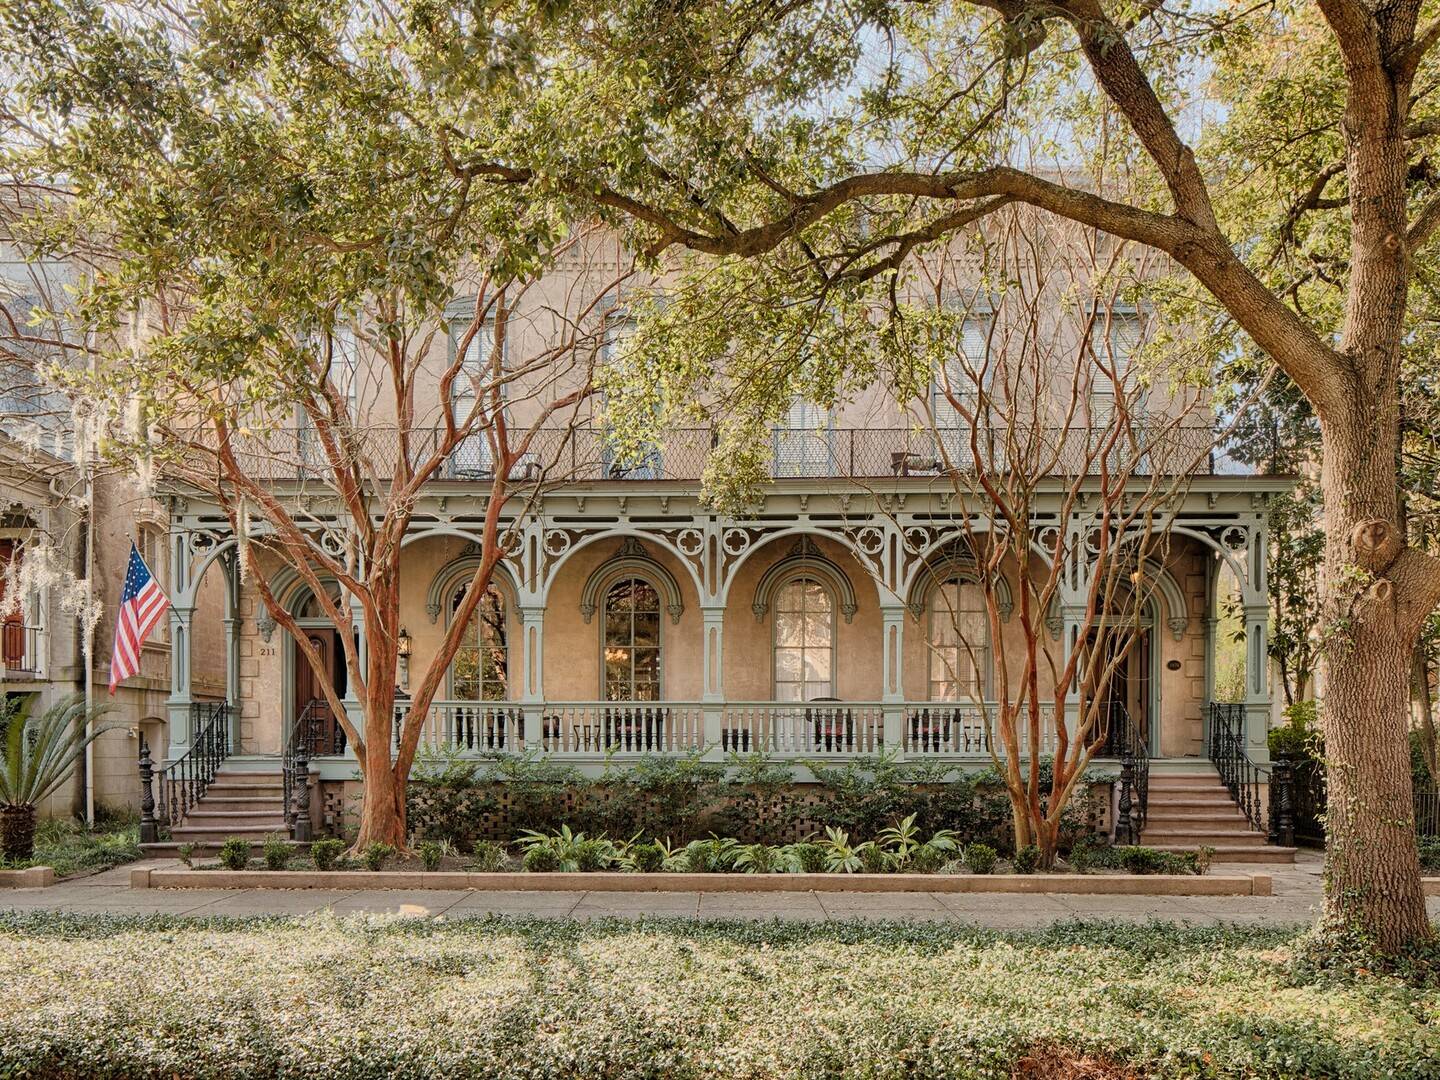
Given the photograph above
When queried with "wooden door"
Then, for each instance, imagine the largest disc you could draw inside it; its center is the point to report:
(12, 626)
(310, 685)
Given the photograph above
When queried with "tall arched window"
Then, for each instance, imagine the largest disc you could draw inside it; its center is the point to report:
(481, 668)
(959, 642)
(804, 641)
(631, 653)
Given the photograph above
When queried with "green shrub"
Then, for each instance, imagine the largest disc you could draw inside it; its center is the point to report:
(538, 789)
(980, 858)
(234, 853)
(446, 800)
(805, 858)
(1299, 736)
(656, 795)
(430, 852)
(375, 853)
(540, 859)
(1143, 860)
(927, 859)
(488, 857)
(874, 859)
(593, 855)
(186, 853)
(325, 854)
(1027, 859)
(713, 856)
(276, 852)
(759, 859)
(648, 858)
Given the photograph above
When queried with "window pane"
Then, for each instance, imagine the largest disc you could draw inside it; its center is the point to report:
(787, 664)
(646, 598)
(819, 631)
(791, 597)
(647, 664)
(816, 598)
(788, 691)
(789, 628)
(817, 665)
(617, 627)
(619, 598)
(647, 628)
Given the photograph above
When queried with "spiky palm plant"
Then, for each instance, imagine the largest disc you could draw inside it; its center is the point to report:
(38, 756)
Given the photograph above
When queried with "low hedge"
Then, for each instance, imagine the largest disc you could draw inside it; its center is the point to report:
(378, 997)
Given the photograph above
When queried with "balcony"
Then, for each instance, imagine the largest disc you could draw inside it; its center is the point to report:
(604, 730)
(680, 454)
(20, 651)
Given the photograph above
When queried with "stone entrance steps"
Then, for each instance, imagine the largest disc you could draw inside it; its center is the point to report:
(1194, 809)
(246, 804)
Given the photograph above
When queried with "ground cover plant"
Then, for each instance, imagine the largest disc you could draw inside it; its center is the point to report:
(492, 997)
(69, 847)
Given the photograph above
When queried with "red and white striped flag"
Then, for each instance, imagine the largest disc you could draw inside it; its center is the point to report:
(141, 606)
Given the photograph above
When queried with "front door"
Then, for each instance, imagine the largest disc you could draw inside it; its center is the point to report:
(1129, 689)
(324, 733)
(12, 626)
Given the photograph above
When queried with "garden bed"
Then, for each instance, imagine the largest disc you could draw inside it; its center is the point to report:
(603, 881)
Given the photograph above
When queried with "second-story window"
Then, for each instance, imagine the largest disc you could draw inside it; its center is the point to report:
(956, 388)
(803, 441)
(472, 457)
(1115, 338)
(345, 367)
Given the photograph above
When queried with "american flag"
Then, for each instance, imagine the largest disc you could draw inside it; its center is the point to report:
(141, 606)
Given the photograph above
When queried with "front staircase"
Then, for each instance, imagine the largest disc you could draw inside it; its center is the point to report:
(1193, 809)
(239, 802)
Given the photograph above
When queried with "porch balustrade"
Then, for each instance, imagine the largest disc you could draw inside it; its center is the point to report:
(817, 729)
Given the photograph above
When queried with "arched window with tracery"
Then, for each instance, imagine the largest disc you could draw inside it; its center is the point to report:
(481, 668)
(804, 641)
(959, 642)
(632, 640)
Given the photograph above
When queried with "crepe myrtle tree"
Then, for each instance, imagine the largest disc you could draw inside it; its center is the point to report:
(297, 307)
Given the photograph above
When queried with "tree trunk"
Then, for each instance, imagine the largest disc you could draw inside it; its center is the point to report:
(17, 833)
(1373, 893)
(382, 809)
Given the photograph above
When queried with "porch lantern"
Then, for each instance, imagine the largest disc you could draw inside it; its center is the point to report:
(402, 651)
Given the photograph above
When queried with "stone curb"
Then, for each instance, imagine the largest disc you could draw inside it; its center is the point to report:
(34, 877)
(1098, 885)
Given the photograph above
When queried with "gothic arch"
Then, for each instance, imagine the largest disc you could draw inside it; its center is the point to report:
(953, 565)
(805, 560)
(459, 569)
(631, 560)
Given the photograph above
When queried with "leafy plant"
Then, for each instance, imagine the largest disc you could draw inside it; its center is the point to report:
(488, 857)
(445, 800)
(325, 854)
(980, 858)
(759, 859)
(805, 858)
(594, 855)
(1026, 860)
(186, 853)
(874, 859)
(927, 859)
(375, 853)
(647, 858)
(540, 859)
(234, 853)
(712, 856)
(276, 852)
(573, 852)
(430, 853)
(36, 757)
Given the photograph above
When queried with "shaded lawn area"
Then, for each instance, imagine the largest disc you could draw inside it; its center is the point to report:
(334, 997)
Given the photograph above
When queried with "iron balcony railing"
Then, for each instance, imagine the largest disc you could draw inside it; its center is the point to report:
(20, 650)
(681, 454)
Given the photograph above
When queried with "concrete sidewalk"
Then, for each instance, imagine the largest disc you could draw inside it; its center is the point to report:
(1296, 895)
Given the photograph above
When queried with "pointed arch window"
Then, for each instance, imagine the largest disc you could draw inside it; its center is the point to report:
(959, 634)
(630, 653)
(480, 670)
(804, 655)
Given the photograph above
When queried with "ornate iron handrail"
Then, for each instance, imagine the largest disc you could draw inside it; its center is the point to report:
(1131, 744)
(183, 782)
(294, 763)
(1241, 776)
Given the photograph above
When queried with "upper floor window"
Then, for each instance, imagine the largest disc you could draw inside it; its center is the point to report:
(959, 642)
(345, 367)
(803, 442)
(472, 456)
(804, 641)
(481, 668)
(1115, 338)
(631, 645)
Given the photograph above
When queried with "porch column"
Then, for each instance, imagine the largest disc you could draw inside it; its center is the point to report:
(532, 675)
(353, 711)
(1257, 680)
(182, 613)
(712, 695)
(1072, 620)
(232, 645)
(892, 675)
